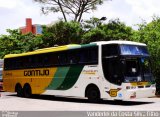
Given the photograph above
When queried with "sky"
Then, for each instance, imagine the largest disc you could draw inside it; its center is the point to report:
(14, 12)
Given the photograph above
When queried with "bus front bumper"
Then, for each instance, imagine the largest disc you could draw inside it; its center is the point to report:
(138, 93)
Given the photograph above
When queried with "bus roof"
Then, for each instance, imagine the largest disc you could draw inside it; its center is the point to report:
(119, 42)
(51, 49)
(71, 46)
(44, 50)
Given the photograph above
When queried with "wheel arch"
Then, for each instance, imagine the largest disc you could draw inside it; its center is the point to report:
(92, 85)
(27, 90)
(18, 85)
(27, 84)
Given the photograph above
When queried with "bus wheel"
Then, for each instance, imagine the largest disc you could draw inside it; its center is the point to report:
(92, 93)
(19, 90)
(27, 91)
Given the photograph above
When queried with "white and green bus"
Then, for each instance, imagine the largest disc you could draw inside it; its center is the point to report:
(114, 70)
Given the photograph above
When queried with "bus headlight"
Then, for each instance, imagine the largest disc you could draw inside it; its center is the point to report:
(133, 87)
(130, 87)
(133, 95)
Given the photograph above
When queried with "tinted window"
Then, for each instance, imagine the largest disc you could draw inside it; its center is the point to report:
(133, 50)
(112, 70)
(63, 58)
(110, 50)
(112, 67)
(83, 56)
(94, 55)
(87, 55)
(73, 57)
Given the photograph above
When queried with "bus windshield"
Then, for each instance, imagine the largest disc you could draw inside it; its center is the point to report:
(137, 69)
(126, 63)
(133, 50)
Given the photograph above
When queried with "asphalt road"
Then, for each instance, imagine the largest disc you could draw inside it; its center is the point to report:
(10, 102)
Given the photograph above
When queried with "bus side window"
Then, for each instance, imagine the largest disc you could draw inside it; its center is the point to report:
(38, 61)
(73, 57)
(7, 64)
(13, 64)
(93, 55)
(46, 62)
(54, 59)
(18, 63)
(31, 61)
(25, 62)
(110, 50)
(62, 58)
(83, 56)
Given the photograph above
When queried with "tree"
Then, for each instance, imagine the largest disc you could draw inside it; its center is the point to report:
(10, 43)
(92, 23)
(95, 34)
(149, 34)
(62, 33)
(117, 30)
(113, 30)
(69, 7)
(16, 42)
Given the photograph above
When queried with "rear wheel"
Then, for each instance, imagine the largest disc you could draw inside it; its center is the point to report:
(93, 93)
(27, 91)
(19, 90)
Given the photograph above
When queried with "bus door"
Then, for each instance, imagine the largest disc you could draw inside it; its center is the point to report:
(112, 68)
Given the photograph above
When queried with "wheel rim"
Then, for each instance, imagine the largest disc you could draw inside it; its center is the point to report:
(93, 94)
(27, 91)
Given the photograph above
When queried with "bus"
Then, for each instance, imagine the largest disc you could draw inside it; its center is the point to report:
(1, 70)
(113, 70)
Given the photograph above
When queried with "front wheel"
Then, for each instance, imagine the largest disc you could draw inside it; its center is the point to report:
(93, 94)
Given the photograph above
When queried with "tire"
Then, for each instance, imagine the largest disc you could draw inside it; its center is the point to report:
(19, 90)
(93, 94)
(27, 91)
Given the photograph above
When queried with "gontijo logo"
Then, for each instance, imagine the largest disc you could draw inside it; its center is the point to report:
(44, 72)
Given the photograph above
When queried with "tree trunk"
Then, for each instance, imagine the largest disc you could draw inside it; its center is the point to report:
(81, 12)
(64, 16)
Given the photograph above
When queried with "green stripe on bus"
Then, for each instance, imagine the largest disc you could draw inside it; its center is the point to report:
(88, 45)
(58, 77)
(72, 77)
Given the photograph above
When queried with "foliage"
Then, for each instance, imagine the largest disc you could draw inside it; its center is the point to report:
(150, 34)
(62, 33)
(76, 8)
(15, 42)
(113, 30)
(93, 35)
(91, 23)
